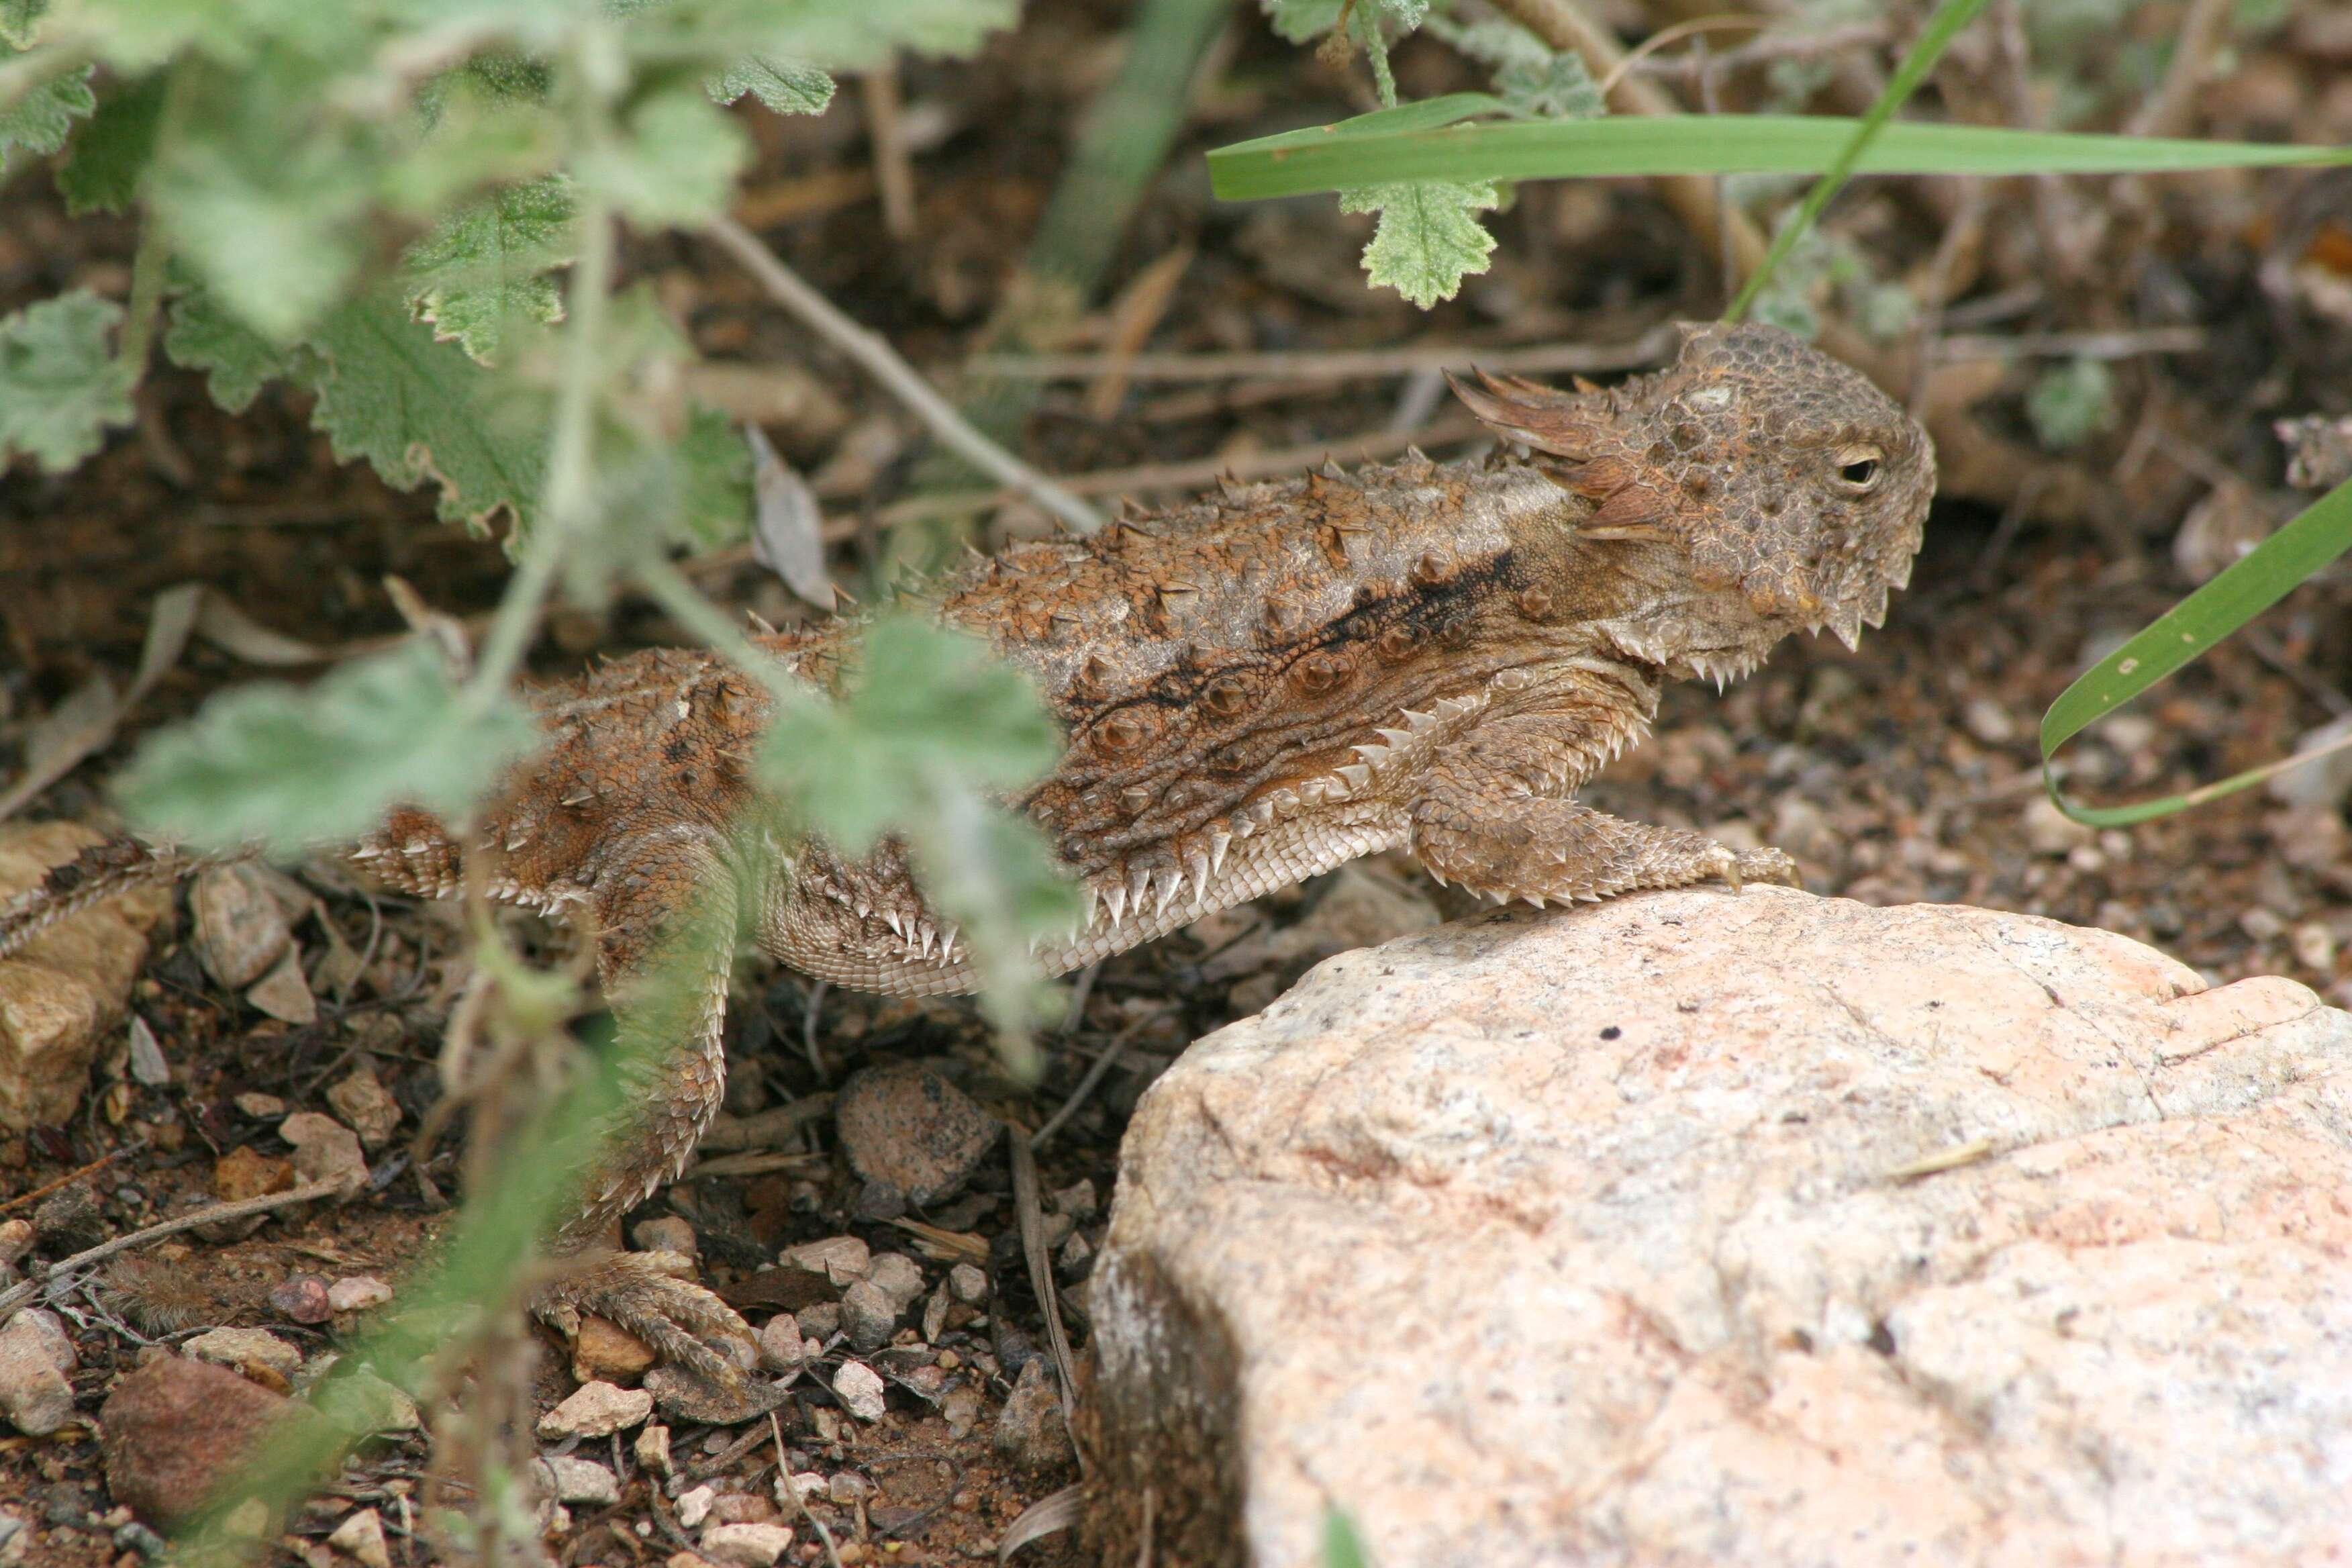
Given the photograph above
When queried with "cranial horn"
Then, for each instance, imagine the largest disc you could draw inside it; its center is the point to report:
(1542, 417)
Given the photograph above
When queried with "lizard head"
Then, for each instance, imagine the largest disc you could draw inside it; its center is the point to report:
(1792, 490)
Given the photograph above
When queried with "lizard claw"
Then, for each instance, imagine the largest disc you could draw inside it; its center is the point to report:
(707, 1351)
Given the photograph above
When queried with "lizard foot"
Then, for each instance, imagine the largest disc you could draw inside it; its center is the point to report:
(707, 1351)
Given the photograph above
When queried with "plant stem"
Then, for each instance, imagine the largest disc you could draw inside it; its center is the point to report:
(147, 267)
(1941, 29)
(658, 575)
(881, 361)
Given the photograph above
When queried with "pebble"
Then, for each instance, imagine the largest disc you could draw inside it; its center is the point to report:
(16, 1239)
(969, 1281)
(652, 1449)
(859, 1389)
(667, 1234)
(246, 1172)
(2315, 946)
(742, 1507)
(745, 1545)
(868, 1316)
(806, 1486)
(693, 1505)
(366, 1107)
(303, 1298)
(361, 1536)
(2050, 831)
(604, 1351)
(960, 1408)
(258, 1106)
(35, 1356)
(173, 1429)
(934, 1315)
(1030, 1431)
(240, 1350)
(848, 1488)
(1078, 1200)
(584, 1480)
(69, 1219)
(597, 1410)
(326, 1151)
(840, 1258)
(898, 1276)
(780, 1344)
(820, 1320)
(904, 1126)
(240, 930)
(358, 1293)
(284, 993)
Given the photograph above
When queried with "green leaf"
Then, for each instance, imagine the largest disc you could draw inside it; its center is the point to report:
(1302, 21)
(19, 20)
(847, 37)
(932, 731)
(487, 264)
(295, 768)
(60, 386)
(40, 122)
(1338, 157)
(1428, 236)
(278, 249)
(2247, 587)
(2072, 403)
(1343, 1545)
(1530, 78)
(101, 171)
(677, 168)
(786, 86)
(237, 360)
(715, 499)
(418, 410)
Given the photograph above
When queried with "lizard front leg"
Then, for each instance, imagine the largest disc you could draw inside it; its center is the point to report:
(668, 917)
(1490, 812)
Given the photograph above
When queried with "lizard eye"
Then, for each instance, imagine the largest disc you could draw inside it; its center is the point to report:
(1859, 469)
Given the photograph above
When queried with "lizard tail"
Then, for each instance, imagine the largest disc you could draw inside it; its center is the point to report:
(97, 873)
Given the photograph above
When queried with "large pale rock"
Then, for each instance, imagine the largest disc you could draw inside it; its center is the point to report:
(1613, 1237)
(68, 987)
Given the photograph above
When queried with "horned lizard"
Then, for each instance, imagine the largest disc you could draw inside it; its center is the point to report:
(1256, 688)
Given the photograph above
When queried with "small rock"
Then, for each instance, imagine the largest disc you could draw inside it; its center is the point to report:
(361, 1536)
(258, 1106)
(2314, 945)
(1078, 1200)
(742, 1507)
(960, 1408)
(652, 1449)
(805, 1486)
(667, 1234)
(859, 1389)
(584, 1480)
(934, 1315)
(241, 1350)
(780, 1344)
(175, 1429)
(302, 1299)
(357, 1293)
(366, 1107)
(898, 1276)
(326, 1151)
(606, 1352)
(840, 1258)
(240, 930)
(1030, 1431)
(16, 1239)
(597, 1410)
(848, 1488)
(693, 1505)
(868, 1316)
(284, 993)
(745, 1545)
(69, 1219)
(905, 1126)
(1075, 1256)
(245, 1173)
(148, 1064)
(970, 1283)
(35, 1356)
(820, 1320)
(2050, 831)
(16, 1535)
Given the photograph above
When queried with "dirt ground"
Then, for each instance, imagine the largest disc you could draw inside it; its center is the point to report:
(1907, 770)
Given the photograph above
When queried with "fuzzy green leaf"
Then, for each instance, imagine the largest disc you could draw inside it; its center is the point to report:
(294, 768)
(101, 171)
(1428, 237)
(715, 499)
(39, 122)
(841, 36)
(235, 359)
(1529, 77)
(418, 410)
(277, 251)
(19, 20)
(786, 86)
(677, 168)
(59, 384)
(487, 264)
(2072, 403)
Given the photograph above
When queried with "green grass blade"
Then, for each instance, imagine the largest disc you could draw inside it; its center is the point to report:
(2322, 532)
(1340, 157)
(1942, 28)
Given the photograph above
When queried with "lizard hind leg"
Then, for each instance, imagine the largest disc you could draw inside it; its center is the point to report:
(666, 951)
(1542, 850)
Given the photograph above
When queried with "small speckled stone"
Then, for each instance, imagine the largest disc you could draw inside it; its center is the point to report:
(859, 1389)
(597, 1410)
(906, 1127)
